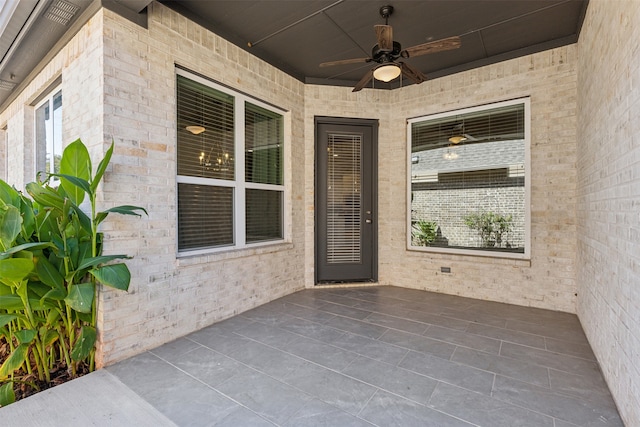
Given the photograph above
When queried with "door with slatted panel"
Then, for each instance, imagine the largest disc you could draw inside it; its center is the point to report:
(346, 230)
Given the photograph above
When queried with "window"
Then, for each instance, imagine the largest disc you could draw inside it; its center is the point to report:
(468, 184)
(230, 168)
(49, 133)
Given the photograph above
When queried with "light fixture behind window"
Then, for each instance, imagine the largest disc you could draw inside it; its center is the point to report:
(196, 130)
(386, 72)
(458, 135)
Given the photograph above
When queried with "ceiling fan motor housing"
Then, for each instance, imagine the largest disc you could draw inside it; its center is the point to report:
(386, 55)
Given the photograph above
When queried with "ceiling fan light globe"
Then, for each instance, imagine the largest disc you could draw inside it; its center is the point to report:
(456, 139)
(387, 72)
(196, 130)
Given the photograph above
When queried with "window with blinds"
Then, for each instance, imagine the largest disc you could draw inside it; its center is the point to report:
(468, 180)
(230, 168)
(344, 198)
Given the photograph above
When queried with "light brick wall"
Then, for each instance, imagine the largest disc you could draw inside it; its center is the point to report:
(608, 195)
(169, 296)
(549, 78)
(3, 154)
(448, 207)
(78, 64)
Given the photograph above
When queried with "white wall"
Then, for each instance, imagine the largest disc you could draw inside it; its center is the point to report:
(608, 195)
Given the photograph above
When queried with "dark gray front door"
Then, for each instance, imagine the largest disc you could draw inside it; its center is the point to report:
(346, 200)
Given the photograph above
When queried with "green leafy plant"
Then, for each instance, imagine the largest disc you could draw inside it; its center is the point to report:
(491, 227)
(424, 232)
(51, 263)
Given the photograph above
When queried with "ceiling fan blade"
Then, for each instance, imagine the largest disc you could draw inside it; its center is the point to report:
(384, 34)
(412, 73)
(363, 81)
(432, 47)
(345, 62)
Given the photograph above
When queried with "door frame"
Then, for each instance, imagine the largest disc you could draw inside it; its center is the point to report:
(373, 124)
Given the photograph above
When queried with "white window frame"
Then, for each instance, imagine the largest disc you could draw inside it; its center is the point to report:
(239, 184)
(527, 183)
(54, 181)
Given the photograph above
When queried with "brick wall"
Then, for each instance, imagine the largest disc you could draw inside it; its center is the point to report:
(608, 195)
(547, 280)
(127, 94)
(448, 208)
(171, 296)
(549, 79)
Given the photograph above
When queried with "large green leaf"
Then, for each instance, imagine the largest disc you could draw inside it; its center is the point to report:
(55, 294)
(48, 336)
(46, 197)
(14, 361)
(15, 269)
(95, 261)
(11, 302)
(84, 344)
(23, 247)
(80, 297)
(127, 210)
(7, 395)
(75, 165)
(25, 336)
(84, 219)
(8, 194)
(28, 217)
(78, 185)
(102, 167)
(48, 273)
(115, 275)
(10, 226)
(6, 318)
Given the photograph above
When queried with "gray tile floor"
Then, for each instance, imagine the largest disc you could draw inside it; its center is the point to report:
(382, 356)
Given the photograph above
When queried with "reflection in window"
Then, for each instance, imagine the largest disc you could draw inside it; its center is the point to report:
(219, 204)
(468, 175)
(49, 134)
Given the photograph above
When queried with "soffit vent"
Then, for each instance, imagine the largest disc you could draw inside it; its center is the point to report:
(6, 85)
(61, 12)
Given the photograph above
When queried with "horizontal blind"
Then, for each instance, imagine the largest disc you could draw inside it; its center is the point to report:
(472, 190)
(344, 198)
(209, 154)
(205, 216)
(264, 137)
(263, 215)
(496, 124)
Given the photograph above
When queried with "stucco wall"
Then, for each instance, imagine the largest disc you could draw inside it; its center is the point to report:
(608, 195)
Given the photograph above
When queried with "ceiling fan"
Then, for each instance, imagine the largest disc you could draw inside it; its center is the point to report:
(388, 53)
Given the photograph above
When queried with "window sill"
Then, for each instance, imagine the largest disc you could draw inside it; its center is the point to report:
(470, 254)
(216, 254)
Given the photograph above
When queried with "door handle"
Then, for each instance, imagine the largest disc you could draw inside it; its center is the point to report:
(368, 221)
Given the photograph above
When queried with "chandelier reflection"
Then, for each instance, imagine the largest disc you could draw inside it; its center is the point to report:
(450, 153)
(222, 161)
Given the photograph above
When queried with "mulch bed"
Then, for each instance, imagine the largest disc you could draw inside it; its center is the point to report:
(29, 384)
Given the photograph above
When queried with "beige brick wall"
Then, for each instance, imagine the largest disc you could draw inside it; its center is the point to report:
(608, 195)
(169, 296)
(549, 79)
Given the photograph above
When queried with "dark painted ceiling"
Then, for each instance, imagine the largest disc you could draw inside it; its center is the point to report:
(297, 35)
